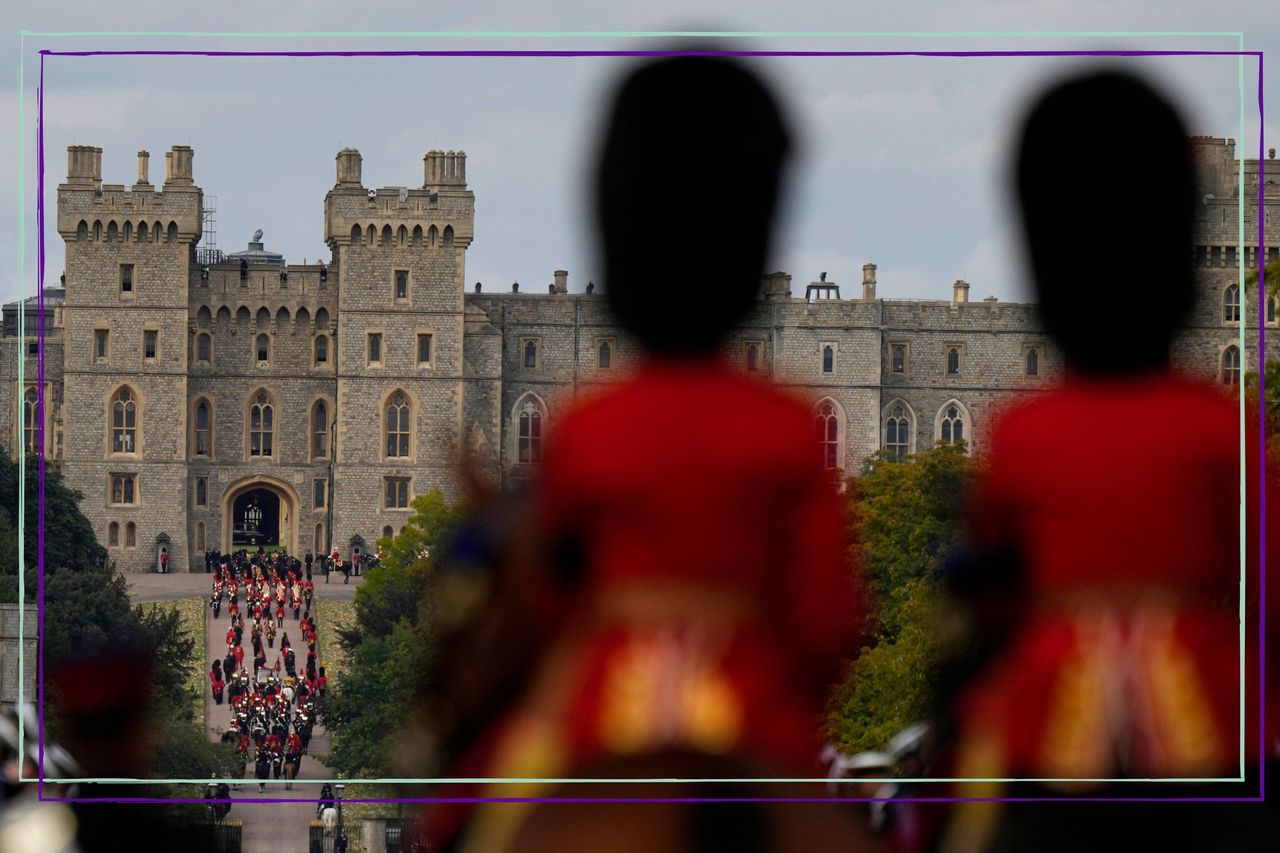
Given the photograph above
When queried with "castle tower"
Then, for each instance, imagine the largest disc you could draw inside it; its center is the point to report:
(399, 254)
(128, 254)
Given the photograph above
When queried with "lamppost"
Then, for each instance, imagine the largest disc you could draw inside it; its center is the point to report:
(340, 840)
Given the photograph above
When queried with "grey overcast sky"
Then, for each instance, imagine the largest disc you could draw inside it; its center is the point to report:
(901, 161)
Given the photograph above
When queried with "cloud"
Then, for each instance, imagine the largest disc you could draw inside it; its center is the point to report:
(901, 160)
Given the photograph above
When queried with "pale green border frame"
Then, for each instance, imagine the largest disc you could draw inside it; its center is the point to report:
(23, 34)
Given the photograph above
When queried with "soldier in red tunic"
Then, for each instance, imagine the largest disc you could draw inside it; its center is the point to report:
(1106, 525)
(697, 597)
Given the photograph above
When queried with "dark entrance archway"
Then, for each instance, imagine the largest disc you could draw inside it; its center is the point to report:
(255, 519)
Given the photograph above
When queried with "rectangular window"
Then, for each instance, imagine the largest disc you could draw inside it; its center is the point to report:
(126, 279)
(397, 493)
(402, 285)
(424, 349)
(321, 488)
(124, 489)
(150, 343)
(375, 347)
(202, 491)
(898, 356)
(33, 348)
(828, 358)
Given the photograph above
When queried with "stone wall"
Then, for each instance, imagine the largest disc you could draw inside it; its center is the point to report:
(464, 401)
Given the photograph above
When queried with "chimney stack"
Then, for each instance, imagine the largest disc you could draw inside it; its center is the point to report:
(178, 160)
(777, 285)
(868, 282)
(444, 168)
(84, 165)
(562, 281)
(349, 161)
(144, 159)
(960, 291)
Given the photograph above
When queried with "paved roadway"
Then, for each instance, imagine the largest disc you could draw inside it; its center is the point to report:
(268, 828)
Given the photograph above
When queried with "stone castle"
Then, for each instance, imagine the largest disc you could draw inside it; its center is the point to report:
(199, 401)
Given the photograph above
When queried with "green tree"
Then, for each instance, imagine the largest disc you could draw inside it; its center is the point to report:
(393, 590)
(907, 518)
(390, 645)
(366, 710)
(69, 541)
(87, 614)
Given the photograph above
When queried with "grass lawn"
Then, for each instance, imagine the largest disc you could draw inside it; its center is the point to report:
(191, 612)
(330, 615)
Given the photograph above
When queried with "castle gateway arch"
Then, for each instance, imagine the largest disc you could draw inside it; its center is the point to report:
(260, 510)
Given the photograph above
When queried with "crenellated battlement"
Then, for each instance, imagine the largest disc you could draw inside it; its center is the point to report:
(439, 214)
(89, 210)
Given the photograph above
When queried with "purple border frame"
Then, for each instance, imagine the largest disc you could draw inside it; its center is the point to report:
(1262, 701)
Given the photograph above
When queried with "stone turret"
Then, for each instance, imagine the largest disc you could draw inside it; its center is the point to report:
(868, 282)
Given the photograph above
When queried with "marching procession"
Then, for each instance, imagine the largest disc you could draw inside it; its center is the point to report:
(272, 694)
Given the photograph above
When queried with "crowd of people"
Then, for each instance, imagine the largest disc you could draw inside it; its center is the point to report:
(273, 703)
(322, 564)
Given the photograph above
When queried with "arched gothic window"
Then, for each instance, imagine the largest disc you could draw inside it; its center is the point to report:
(388, 532)
(200, 544)
(30, 422)
(124, 422)
(397, 426)
(319, 430)
(113, 534)
(131, 535)
(1231, 365)
(203, 430)
(897, 432)
(263, 349)
(951, 427)
(1033, 362)
(260, 425)
(753, 357)
(827, 429)
(828, 359)
(529, 432)
(204, 347)
(953, 361)
(530, 354)
(1231, 304)
(318, 539)
(322, 349)
(604, 358)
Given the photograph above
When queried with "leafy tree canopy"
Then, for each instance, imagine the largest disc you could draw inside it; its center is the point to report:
(907, 517)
